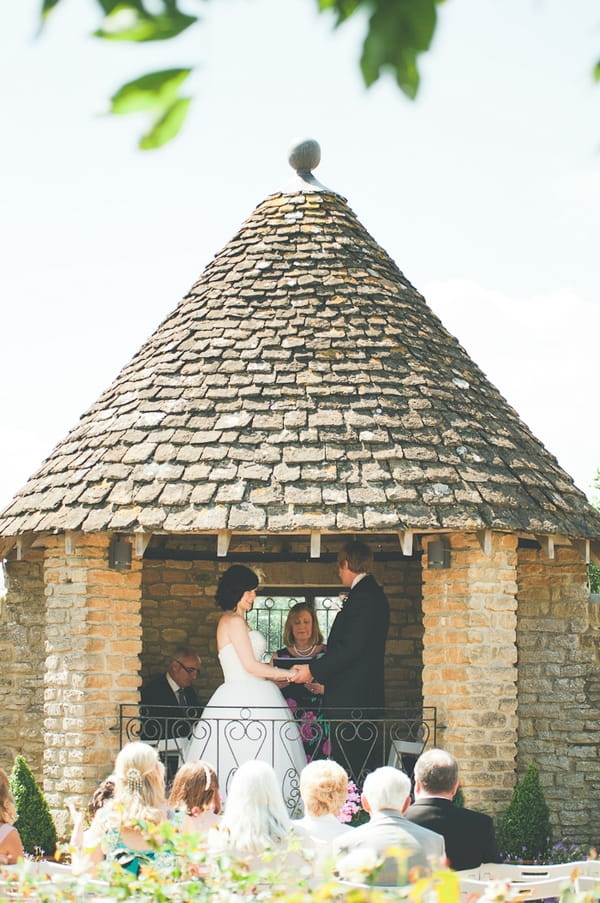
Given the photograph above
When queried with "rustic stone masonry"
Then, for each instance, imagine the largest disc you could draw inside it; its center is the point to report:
(22, 653)
(469, 663)
(178, 607)
(558, 640)
(93, 646)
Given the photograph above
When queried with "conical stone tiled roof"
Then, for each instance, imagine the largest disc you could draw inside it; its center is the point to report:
(301, 384)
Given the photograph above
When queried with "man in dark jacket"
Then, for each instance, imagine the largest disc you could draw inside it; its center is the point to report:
(470, 837)
(169, 701)
(352, 668)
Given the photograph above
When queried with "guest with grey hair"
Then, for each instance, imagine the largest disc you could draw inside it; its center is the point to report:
(388, 850)
(469, 836)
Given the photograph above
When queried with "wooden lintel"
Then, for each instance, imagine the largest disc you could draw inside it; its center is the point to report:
(69, 543)
(23, 543)
(315, 545)
(547, 544)
(485, 541)
(141, 543)
(582, 547)
(405, 538)
(223, 540)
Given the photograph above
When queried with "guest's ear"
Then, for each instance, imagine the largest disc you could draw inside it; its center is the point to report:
(407, 803)
(365, 803)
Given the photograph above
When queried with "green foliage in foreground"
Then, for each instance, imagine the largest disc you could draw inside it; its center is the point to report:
(525, 832)
(34, 822)
(398, 31)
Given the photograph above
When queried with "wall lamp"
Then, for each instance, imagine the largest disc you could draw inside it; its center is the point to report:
(119, 554)
(438, 554)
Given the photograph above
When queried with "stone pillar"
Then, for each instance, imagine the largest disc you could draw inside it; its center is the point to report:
(93, 647)
(22, 633)
(469, 657)
(559, 691)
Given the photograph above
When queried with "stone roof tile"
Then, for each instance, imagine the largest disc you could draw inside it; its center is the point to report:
(301, 383)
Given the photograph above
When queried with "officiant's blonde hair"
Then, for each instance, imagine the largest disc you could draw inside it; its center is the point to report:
(316, 636)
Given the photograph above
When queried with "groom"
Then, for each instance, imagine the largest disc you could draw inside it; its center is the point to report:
(352, 667)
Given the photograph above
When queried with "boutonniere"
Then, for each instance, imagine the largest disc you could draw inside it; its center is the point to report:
(344, 597)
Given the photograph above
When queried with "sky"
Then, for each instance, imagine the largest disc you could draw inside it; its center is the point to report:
(485, 191)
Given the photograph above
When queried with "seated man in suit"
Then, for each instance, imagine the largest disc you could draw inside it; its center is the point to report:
(169, 704)
(394, 850)
(470, 837)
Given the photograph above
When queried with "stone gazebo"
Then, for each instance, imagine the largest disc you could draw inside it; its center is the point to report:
(303, 393)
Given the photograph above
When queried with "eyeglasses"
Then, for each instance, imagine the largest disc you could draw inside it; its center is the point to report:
(185, 667)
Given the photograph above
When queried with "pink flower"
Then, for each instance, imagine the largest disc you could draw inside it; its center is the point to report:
(327, 747)
(352, 804)
(292, 704)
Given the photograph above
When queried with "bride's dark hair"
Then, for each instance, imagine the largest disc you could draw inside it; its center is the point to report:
(233, 584)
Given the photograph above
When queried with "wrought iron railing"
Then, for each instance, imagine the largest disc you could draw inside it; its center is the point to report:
(360, 739)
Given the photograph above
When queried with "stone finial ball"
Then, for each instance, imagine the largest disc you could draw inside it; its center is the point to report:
(304, 155)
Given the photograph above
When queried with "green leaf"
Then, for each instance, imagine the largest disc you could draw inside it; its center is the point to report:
(157, 89)
(128, 22)
(398, 31)
(343, 8)
(47, 7)
(597, 71)
(167, 126)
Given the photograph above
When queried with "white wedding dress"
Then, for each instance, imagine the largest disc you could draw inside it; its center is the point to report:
(248, 718)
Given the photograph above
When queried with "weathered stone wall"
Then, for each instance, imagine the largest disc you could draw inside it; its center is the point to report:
(93, 646)
(558, 640)
(22, 629)
(469, 657)
(178, 607)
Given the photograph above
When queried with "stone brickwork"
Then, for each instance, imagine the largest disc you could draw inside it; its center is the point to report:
(469, 660)
(22, 653)
(559, 692)
(93, 645)
(178, 607)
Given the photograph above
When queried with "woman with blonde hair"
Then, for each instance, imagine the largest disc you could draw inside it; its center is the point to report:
(11, 847)
(256, 830)
(323, 788)
(195, 791)
(120, 831)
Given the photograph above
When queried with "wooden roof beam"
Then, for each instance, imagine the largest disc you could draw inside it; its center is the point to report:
(405, 538)
(315, 545)
(485, 541)
(582, 547)
(547, 544)
(223, 540)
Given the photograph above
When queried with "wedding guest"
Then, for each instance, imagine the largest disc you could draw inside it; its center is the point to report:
(103, 792)
(303, 639)
(195, 791)
(115, 833)
(469, 836)
(11, 847)
(256, 831)
(352, 667)
(170, 698)
(323, 789)
(400, 848)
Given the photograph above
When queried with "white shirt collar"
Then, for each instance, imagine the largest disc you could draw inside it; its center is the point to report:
(356, 580)
(174, 686)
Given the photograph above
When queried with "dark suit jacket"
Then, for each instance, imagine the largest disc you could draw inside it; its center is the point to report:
(158, 702)
(352, 667)
(470, 836)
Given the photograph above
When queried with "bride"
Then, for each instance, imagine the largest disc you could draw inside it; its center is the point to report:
(247, 717)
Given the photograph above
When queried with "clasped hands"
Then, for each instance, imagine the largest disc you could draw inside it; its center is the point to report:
(300, 674)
